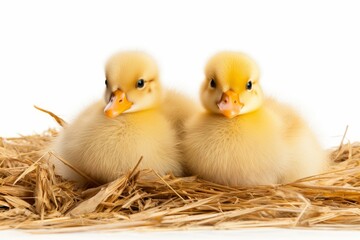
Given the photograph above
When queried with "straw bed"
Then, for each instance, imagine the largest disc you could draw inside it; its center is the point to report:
(33, 197)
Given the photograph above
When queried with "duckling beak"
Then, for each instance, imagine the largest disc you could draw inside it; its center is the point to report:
(117, 104)
(229, 104)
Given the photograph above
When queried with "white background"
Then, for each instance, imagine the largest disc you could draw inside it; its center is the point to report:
(52, 54)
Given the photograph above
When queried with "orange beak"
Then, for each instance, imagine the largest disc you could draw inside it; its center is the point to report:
(117, 104)
(229, 104)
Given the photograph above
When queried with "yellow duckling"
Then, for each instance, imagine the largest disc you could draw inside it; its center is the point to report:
(109, 137)
(246, 139)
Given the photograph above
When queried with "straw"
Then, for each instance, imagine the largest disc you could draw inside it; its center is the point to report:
(33, 197)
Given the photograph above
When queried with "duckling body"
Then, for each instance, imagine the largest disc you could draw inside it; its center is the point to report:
(262, 147)
(245, 139)
(105, 148)
(109, 137)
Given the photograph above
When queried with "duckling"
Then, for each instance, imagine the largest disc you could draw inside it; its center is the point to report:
(109, 137)
(245, 138)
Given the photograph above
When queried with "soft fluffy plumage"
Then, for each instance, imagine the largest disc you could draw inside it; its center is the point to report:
(244, 138)
(105, 145)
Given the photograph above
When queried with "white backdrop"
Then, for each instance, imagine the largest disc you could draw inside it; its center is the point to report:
(52, 54)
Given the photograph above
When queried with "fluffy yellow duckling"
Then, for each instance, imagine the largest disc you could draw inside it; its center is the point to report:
(109, 137)
(246, 139)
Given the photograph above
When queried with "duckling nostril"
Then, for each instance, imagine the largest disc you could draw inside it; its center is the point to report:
(235, 101)
(120, 100)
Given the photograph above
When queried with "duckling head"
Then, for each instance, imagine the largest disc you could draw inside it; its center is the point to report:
(231, 86)
(132, 83)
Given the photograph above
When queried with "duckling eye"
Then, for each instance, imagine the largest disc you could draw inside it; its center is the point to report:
(212, 83)
(249, 85)
(140, 83)
(106, 83)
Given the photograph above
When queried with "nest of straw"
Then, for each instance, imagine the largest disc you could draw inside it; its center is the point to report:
(33, 197)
